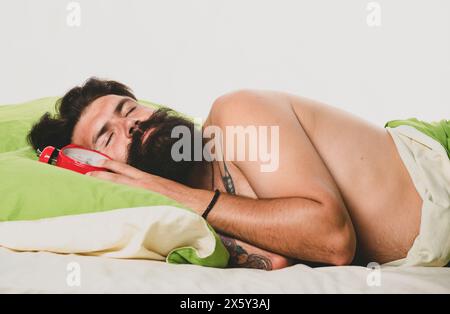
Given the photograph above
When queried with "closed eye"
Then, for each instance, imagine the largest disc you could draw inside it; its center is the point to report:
(130, 111)
(109, 139)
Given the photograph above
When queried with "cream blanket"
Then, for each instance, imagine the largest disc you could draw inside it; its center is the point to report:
(429, 167)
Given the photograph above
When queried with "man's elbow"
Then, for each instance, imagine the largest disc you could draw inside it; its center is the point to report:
(341, 234)
(343, 246)
(337, 248)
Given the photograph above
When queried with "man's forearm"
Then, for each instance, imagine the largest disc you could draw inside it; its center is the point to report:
(294, 227)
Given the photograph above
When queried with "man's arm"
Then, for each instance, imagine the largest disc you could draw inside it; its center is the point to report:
(295, 227)
(301, 171)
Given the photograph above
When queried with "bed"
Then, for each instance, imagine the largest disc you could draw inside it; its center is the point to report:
(100, 217)
(42, 272)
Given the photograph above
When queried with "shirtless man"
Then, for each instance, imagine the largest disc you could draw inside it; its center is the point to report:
(341, 193)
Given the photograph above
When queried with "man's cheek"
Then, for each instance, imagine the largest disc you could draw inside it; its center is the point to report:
(117, 153)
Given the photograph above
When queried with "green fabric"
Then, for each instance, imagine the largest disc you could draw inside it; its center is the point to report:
(440, 130)
(32, 190)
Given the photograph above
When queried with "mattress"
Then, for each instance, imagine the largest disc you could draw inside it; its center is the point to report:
(42, 272)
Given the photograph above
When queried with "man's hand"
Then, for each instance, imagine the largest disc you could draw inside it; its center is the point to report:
(126, 174)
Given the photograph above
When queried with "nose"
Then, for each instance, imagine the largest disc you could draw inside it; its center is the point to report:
(131, 127)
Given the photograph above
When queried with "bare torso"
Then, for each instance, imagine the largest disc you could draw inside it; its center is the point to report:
(377, 190)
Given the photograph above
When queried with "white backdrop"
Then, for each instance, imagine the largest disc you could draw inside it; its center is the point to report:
(186, 53)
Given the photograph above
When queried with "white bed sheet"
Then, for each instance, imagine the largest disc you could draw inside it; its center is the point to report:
(43, 272)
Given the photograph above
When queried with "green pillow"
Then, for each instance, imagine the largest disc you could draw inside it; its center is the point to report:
(32, 190)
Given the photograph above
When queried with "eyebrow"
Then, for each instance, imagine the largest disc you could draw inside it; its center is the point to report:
(105, 127)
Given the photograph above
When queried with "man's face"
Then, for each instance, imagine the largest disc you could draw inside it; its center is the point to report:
(140, 136)
(108, 124)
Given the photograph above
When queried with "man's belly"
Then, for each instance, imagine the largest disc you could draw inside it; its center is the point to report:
(375, 185)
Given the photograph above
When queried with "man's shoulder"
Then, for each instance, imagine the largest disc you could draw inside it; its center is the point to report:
(247, 106)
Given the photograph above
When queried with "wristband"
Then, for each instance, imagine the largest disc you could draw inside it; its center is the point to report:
(211, 204)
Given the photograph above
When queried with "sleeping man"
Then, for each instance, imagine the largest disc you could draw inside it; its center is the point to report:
(329, 188)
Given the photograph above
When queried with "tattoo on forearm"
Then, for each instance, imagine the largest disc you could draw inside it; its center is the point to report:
(239, 257)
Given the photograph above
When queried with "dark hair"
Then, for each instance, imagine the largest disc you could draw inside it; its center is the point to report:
(57, 130)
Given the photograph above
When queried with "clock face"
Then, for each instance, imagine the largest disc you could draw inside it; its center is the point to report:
(85, 156)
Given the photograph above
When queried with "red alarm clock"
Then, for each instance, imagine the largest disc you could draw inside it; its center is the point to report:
(73, 157)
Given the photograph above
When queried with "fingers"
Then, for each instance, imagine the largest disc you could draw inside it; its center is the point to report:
(113, 177)
(121, 168)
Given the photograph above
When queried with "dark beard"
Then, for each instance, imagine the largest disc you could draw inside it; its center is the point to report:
(154, 155)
